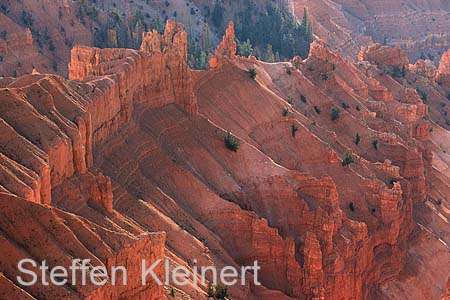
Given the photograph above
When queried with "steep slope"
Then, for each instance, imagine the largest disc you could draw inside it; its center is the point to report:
(419, 27)
(134, 143)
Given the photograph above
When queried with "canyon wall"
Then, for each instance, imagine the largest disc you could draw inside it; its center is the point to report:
(419, 28)
(327, 190)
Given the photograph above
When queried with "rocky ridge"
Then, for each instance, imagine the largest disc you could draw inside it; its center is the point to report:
(133, 143)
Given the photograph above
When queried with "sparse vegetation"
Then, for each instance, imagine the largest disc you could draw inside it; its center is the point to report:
(27, 19)
(51, 46)
(252, 73)
(275, 33)
(55, 66)
(285, 112)
(210, 291)
(348, 159)
(317, 110)
(392, 182)
(4, 8)
(398, 72)
(4, 34)
(358, 108)
(443, 104)
(448, 97)
(303, 98)
(345, 105)
(294, 130)
(380, 115)
(357, 139)
(423, 95)
(172, 292)
(221, 292)
(217, 15)
(375, 144)
(335, 113)
(290, 100)
(231, 142)
(245, 48)
(351, 205)
(325, 76)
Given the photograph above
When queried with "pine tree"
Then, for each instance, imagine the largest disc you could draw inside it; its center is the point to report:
(270, 57)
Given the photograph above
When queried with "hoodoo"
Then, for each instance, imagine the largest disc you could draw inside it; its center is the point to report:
(155, 175)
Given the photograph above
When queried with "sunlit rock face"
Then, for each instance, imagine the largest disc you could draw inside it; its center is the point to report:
(338, 187)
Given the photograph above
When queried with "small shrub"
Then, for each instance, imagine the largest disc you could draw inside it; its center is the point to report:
(345, 105)
(351, 205)
(335, 113)
(285, 112)
(357, 139)
(325, 77)
(288, 71)
(294, 130)
(358, 108)
(221, 292)
(380, 115)
(443, 104)
(231, 142)
(290, 100)
(4, 34)
(423, 95)
(317, 110)
(303, 98)
(4, 8)
(348, 159)
(210, 291)
(314, 122)
(375, 144)
(448, 97)
(172, 292)
(439, 202)
(252, 73)
(391, 183)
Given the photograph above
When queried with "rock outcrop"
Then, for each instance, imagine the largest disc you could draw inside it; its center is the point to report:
(327, 190)
(424, 68)
(419, 28)
(384, 55)
(226, 50)
(443, 73)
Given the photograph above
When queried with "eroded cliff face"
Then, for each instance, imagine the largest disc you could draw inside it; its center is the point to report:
(134, 143)
(418, 27)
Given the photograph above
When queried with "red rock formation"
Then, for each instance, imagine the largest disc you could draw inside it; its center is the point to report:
(135, 143)
(226, 49)
(425, 68)
(443, 73)
(58, 237)
(346, 25)
(383, 55)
